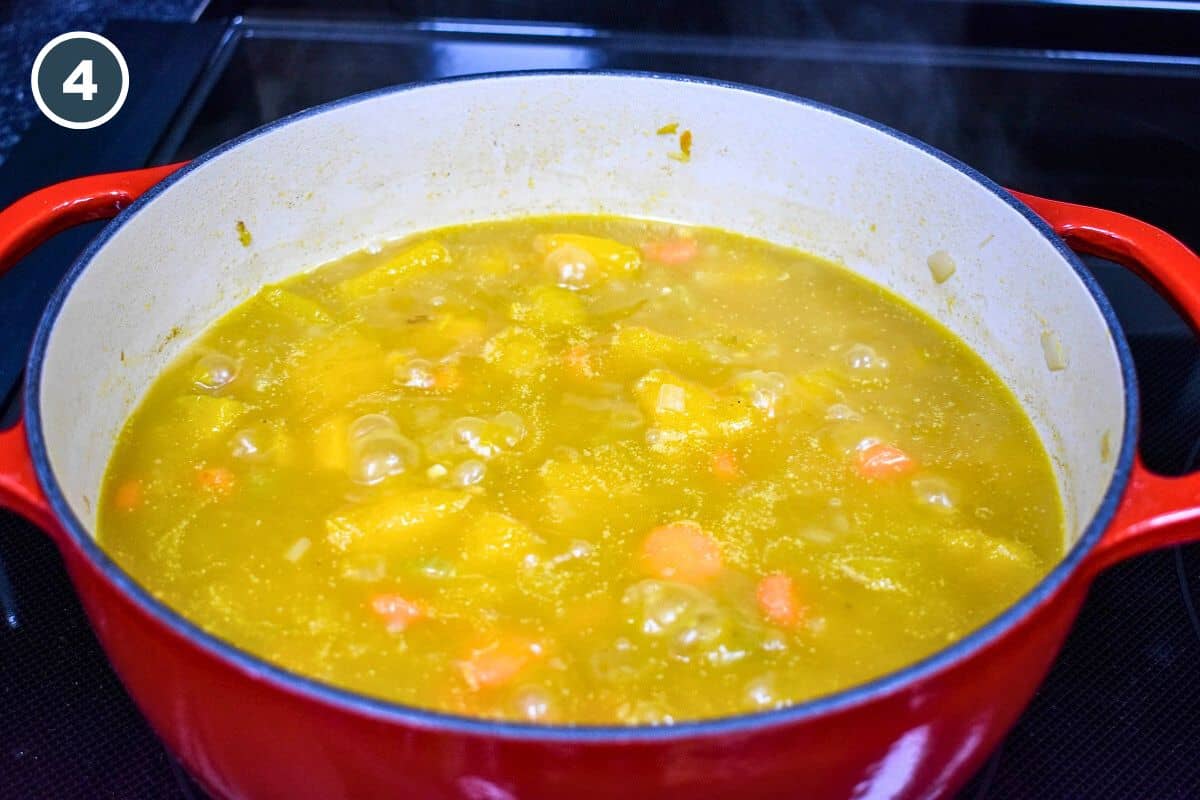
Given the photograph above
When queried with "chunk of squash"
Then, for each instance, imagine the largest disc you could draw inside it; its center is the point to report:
(331, 371)
(295, 307)
(516, 351)
(331, 443)
(620, 257)
(685, 416)
(461, 329)
(201, 418)
(497, 543)
(396, 521)
(636, 349)
(409, 262)
(611, 258)
(582, 495)
(990, 559)
(550, 308)
(819, 387)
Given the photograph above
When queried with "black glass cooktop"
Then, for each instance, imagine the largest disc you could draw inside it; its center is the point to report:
(1119, 716)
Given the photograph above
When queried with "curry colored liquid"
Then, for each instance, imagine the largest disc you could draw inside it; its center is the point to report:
(582, 469)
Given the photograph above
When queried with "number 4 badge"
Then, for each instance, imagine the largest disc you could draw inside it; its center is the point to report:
(80, 80)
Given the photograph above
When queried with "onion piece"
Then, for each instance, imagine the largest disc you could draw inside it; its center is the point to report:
(1052, 349)
(840, 412)
(298, 549)
(365, 568)
(941, 266)
(671, 398)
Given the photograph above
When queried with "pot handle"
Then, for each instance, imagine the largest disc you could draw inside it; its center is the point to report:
(23, 226)
(1156, 510)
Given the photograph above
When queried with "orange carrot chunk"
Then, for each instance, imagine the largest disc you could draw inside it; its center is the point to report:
(498, 663)
(880, 461)
(776, 595)
(396, 610)
(671, 251)
(681, 551)
(128, 496)
(725, 467)
(218, 480)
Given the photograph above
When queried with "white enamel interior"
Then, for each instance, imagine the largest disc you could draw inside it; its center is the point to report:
(389, 165)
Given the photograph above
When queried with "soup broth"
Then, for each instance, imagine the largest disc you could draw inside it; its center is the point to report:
(582, 469)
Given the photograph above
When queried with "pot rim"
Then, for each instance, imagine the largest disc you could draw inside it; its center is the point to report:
(754, 722)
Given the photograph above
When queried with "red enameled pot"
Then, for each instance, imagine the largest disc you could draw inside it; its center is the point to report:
(328, 181)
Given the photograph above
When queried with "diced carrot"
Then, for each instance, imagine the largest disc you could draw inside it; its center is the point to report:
(396, 610)
(880, 461)
(681, 551)
(776, 595)
(498, 663)
(218, 480)
(725, 466)
(578, 362)
(128, 496)
(671, 251)
(447, 378)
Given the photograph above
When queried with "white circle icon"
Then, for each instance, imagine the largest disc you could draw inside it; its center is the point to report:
(80, 80)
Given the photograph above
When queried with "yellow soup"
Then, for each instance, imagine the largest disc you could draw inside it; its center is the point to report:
(582, 469)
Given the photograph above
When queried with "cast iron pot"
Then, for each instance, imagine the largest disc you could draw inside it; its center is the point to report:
(331, 180)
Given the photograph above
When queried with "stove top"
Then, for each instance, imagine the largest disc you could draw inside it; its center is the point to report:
(1119, 716)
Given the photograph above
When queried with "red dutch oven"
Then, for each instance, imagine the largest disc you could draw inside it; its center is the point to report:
(327, 181)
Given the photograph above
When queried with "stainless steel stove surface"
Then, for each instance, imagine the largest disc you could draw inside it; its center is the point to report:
(1119, 716)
